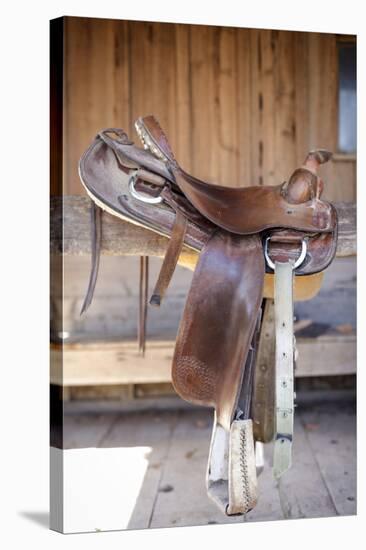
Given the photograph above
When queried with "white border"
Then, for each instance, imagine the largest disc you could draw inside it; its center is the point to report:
(24, 273)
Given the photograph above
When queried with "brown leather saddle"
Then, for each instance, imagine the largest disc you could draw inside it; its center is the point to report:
(240, 234)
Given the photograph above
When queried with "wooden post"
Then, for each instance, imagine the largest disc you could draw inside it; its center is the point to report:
(70, 232)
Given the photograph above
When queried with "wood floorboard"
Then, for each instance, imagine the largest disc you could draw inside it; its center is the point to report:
(321, 482)
(86, 430)
(331, 433)
(303, 493)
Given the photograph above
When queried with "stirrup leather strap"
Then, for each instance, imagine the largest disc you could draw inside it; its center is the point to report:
(96, 239)
(284, 367)
(143, 293)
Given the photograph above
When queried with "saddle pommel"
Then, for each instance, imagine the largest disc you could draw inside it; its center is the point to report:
(315, 158)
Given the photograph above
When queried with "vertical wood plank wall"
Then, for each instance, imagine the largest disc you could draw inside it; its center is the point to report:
(240, 106)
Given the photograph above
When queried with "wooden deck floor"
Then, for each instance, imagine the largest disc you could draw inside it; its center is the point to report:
(321, 483)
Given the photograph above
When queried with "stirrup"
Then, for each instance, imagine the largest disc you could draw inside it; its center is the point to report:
(231, 477)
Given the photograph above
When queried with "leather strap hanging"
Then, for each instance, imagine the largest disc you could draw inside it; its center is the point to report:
(284, 367)
(96, 239)
(171, 259)
(143, 292)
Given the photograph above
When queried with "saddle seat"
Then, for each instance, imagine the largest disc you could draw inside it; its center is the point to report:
(249, 210)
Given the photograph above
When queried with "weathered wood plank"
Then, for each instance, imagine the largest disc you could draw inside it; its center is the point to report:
(121, 76)
(216, 87)
(226, 77)
(262, 65)
(86, 430)
(183, 107)
(70, 231)
(207, 95)
(341, 173)
(169, 450)
(269, 504)
(303, 492)
(244, 109)
(302, 106)
(233, 99)
(267, 143)
(326, 356)
(316, 100)
(284, 109)
(264, 378)
(204, 135)
(322, 117)
(159, 83)
(116, 392)
(103, 406)
(331, 432)
(119, 362)
(110, 363)
(347, 229)
(114, 311)
(149, 44)
(323, 90)
(96, 86)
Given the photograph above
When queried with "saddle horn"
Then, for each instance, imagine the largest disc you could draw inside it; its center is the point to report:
(317, 157)
(305, 184)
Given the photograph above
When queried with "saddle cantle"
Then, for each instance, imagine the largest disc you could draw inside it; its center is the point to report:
(240, 234)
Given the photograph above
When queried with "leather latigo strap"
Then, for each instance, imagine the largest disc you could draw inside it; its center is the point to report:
(171, 258)
(218, 322)
(143, 297)
(96, 237)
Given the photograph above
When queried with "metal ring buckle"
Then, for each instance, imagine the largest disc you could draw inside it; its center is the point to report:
(139, 196)
(296, 264)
